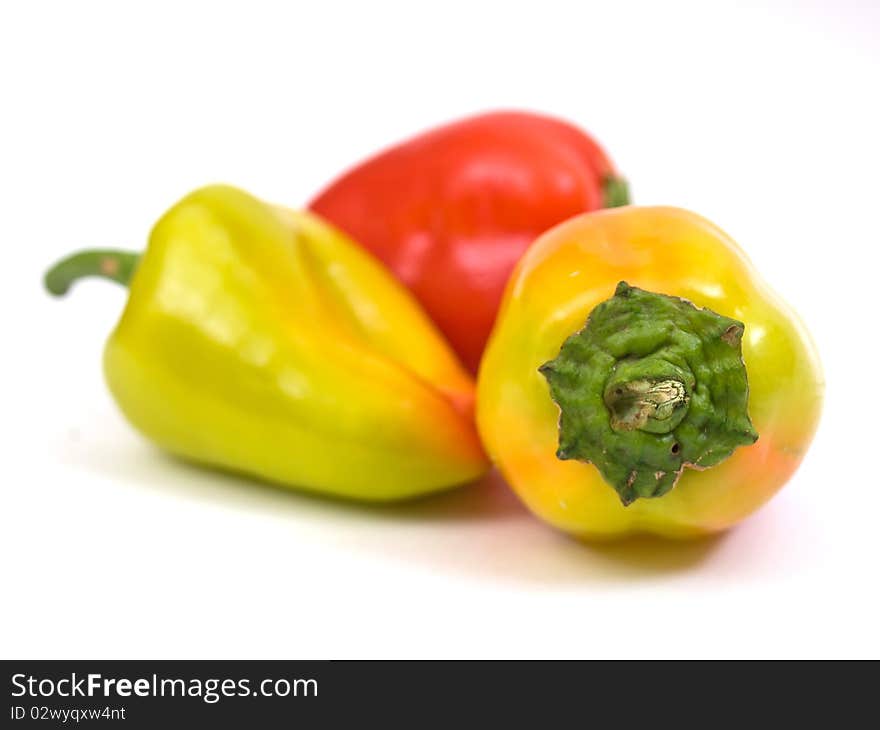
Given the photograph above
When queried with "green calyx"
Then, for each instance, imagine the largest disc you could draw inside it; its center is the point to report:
(649, 386)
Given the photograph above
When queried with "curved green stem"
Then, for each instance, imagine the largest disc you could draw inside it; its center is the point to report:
(651, 385)
(111, 264)
(615, 192)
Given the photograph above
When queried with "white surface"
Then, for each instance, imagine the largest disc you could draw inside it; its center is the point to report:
(764, 119)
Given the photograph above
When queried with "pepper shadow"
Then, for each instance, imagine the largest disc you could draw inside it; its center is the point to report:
(646, 554)
(479, 531)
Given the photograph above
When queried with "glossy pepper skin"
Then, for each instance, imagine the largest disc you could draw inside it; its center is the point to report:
(264, 341)
(451, 211)
(642, 378)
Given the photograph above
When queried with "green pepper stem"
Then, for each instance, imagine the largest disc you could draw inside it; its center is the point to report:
(650, 386)
(110, 264)
(615, 192)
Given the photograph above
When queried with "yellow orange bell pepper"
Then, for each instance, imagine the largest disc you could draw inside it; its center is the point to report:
(264, 341)
(642, 378)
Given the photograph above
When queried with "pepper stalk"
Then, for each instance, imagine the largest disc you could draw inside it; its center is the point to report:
(650, 386)
(116, 265)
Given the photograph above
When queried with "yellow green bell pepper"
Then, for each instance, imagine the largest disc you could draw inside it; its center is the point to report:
(642, 378)
(263, 341)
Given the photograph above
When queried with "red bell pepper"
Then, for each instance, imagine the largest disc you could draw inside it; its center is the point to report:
(451, 211)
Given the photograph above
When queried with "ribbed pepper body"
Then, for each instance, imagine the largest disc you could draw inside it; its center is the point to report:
(563, 278)
(265, 342)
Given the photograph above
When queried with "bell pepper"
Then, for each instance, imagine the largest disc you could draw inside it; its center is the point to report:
(642, 378)
(451, 211)
(263, 341)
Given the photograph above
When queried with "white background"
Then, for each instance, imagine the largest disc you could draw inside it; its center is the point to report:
(762, 118)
